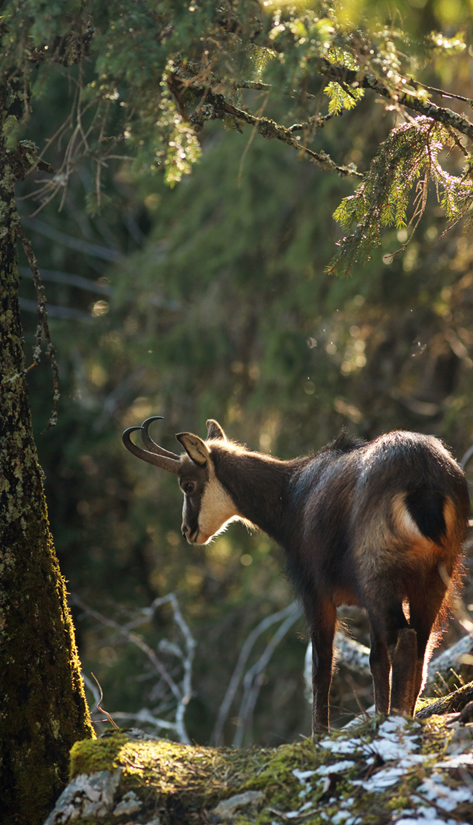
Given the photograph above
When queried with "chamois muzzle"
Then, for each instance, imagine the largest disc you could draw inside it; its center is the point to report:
(155, 454)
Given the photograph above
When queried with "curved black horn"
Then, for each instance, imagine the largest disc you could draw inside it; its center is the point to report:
(148, 441)
(162, 461)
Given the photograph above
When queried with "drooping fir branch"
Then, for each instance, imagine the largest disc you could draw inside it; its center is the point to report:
(407, 161)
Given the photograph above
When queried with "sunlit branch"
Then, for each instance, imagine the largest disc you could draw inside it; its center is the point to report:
(357, 79)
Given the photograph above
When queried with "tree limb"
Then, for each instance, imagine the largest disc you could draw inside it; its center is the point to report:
(357, 79)
(452, 703)
(267, 128)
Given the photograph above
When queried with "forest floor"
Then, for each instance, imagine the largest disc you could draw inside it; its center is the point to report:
(377, 770)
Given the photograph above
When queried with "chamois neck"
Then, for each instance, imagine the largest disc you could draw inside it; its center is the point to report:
(258, 486)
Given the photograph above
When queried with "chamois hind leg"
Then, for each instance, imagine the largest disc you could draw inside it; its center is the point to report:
(404, 671)
(424, 612)
(386, 625)
(380, 667)
(322, 620)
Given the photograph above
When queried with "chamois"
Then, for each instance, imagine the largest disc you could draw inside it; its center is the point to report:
(378, 524)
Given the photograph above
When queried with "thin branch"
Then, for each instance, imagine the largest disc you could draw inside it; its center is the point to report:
(252, 683)
(68, 278)
(442, 92)
(241, 664)
(43, 324)
(271, 130)
(18, 374)
(315, 121)
(99, 703)
(267, 128)
(466, 457)
(357, 79)
(177, 697)
(446, 812)
(132, 637)
(55, 311)
(145, 715)
(96, 251)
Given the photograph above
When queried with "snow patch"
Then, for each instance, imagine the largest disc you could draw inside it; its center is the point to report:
(338, 767)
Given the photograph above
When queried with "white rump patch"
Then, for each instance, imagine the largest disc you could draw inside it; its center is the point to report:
(403, 518)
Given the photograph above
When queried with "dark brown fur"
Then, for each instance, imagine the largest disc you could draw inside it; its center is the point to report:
(377, 524)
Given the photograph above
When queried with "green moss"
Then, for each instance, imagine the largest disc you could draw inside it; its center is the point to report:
(195, 779)
(436, 735)
(184, 783)
(170, 766)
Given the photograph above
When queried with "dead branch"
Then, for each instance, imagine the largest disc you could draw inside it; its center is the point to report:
(252, 681)
(173, 694)
(452, 703)
(240, 666)
(43, 324)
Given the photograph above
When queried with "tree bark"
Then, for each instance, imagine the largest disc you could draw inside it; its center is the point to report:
(42, 702)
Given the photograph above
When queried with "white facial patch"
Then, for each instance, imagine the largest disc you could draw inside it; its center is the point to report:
(217, 509)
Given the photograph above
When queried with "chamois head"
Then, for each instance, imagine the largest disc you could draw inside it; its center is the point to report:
(208, 507)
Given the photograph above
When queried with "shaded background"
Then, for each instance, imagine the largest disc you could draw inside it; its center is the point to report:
(211, 300)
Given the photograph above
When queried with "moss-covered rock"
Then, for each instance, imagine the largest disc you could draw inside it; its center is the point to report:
(382, 770)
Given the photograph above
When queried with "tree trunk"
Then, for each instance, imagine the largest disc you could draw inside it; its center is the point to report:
(42, 703)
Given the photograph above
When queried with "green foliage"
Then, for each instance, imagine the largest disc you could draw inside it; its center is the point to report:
(147, 77)
(410, 153)
(341, 99)
(341, 96)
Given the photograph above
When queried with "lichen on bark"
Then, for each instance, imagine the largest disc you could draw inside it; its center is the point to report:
(42, 703)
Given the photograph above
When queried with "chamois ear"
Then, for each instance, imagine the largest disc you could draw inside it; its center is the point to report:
(214, 430)
(195, 448)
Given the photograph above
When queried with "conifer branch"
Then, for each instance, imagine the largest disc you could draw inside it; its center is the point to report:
(269, 129)
(357, 79)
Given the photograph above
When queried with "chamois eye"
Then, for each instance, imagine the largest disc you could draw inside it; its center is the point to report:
(188, 487)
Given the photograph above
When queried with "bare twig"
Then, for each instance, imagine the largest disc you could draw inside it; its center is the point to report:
(94, 250)
(292, 610)
(466, 457)
(72, 280)
(99, 703)
(252, 681)
(43, 325)
(444, 811)
(55, 311)
(18, 374)
(175, 695)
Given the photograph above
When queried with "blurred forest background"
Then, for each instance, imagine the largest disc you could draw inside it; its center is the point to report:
(211, 299)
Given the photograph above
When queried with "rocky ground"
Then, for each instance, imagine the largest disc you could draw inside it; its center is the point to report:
(377, 770)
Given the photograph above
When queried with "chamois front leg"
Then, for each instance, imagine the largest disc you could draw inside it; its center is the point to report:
(322, 624)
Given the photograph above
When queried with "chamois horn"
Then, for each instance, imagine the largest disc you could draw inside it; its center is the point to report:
(148, 441)
(155, 455)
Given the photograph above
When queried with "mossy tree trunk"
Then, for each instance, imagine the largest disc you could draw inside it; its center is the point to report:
(42, 703)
